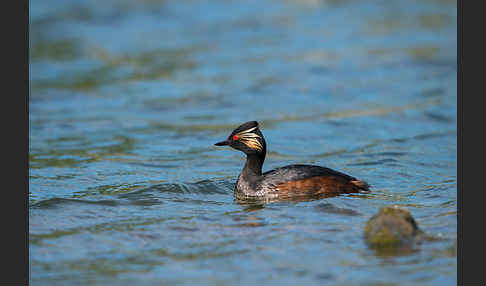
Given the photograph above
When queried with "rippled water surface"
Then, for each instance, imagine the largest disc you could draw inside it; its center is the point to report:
(127, 99)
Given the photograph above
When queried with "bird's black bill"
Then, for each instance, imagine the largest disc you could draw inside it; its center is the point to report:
(222, 143)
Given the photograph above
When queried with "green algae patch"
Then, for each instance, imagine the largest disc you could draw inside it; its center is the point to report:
(61, 50)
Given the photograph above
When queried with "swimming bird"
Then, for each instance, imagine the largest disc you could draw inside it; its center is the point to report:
(285, 182)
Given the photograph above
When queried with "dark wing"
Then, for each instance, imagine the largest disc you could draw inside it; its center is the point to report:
(312, 179)
(301, 172)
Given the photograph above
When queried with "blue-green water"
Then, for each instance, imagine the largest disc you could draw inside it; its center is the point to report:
(127, 99)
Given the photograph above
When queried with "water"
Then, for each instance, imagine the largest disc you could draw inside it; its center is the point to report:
(128, 97)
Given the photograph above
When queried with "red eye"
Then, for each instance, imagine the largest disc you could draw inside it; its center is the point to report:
(235, 137)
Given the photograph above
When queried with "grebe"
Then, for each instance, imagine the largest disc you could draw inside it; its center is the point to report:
(285, 182)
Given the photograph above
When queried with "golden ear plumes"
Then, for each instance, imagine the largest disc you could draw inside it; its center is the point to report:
(250, 139)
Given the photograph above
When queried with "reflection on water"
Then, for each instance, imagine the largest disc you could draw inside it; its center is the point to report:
(128, 97)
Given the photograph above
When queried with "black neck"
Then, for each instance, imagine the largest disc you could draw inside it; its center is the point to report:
(253, 165)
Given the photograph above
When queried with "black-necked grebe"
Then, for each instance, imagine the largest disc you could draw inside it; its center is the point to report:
(289, 181)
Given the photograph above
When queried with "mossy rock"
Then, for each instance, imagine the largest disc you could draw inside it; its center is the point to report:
(393, 226)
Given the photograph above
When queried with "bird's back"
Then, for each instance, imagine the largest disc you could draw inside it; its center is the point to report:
(294, 180)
